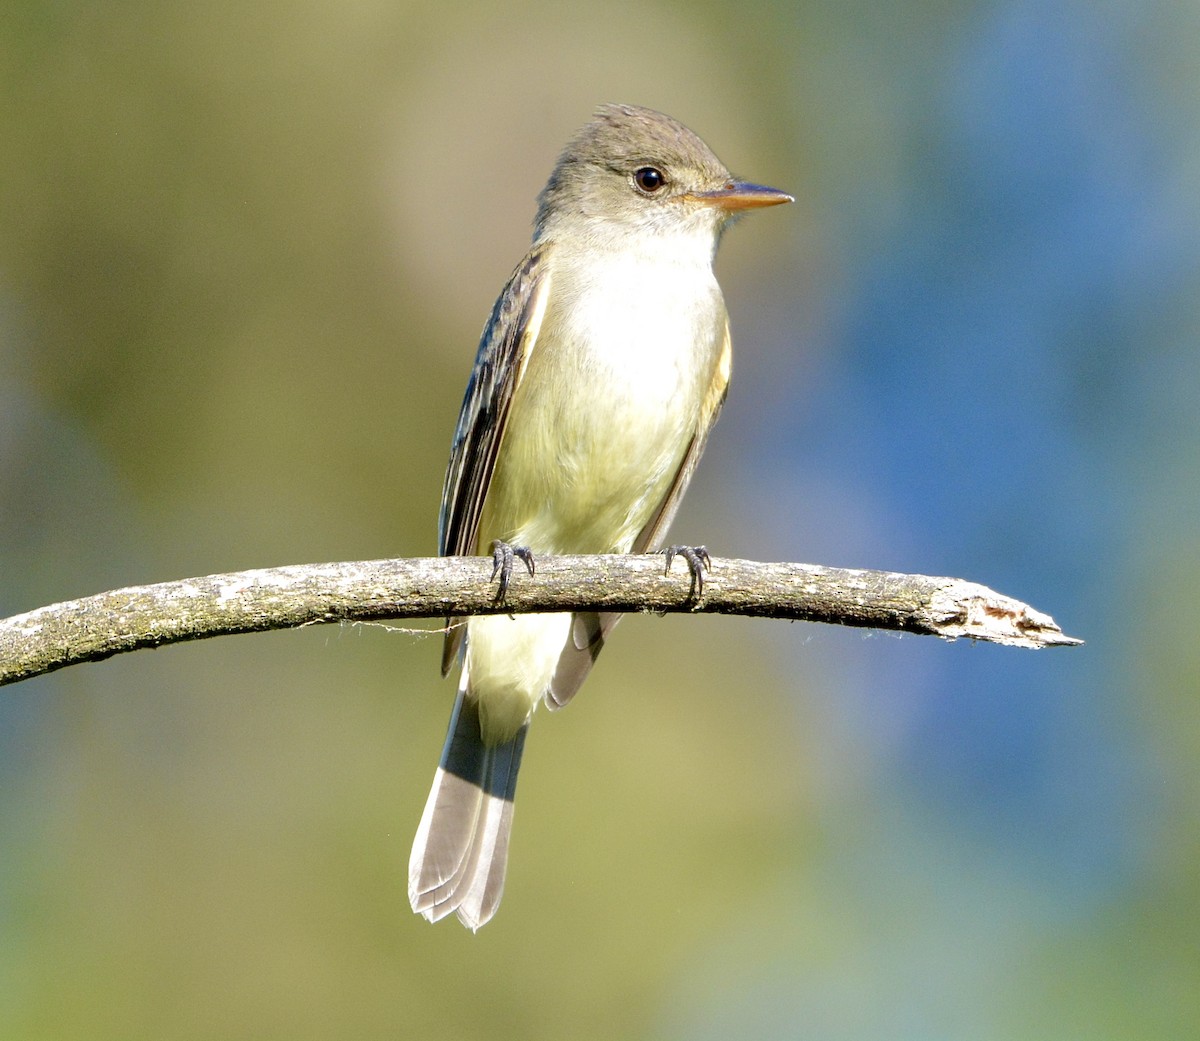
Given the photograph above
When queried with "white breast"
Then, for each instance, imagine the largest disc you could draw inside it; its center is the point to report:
(610, 399)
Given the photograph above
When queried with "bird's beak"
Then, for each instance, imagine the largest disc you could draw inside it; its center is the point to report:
(740, 195)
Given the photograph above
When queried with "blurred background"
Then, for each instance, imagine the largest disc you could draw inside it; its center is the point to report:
(245, 255)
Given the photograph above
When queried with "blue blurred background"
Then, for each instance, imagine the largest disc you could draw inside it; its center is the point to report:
(245, 253)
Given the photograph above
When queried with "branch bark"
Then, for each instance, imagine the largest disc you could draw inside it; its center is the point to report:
(97, 627)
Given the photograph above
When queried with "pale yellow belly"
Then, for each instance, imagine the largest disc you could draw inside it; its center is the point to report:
(608, 405)
(593, 444)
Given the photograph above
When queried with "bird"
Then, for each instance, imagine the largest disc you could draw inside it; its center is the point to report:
(600, 371)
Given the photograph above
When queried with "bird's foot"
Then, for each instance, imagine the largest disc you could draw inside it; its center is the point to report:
(697, 560)
(503, 555)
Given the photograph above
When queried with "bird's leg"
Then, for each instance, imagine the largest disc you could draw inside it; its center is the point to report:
(697, 560)
(503, 555)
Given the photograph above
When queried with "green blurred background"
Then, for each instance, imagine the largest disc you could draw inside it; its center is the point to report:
(245, 254)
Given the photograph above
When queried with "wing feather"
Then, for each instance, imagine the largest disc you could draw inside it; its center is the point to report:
(504, 349)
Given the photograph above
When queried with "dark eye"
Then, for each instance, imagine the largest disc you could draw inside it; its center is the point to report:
(649, 179)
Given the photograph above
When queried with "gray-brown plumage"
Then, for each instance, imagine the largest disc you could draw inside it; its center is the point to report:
(599, 374)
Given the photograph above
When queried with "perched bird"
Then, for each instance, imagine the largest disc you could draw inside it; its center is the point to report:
(599, 374)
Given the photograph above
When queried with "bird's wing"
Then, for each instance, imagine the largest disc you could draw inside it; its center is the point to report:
(589, 629)
(504, 350)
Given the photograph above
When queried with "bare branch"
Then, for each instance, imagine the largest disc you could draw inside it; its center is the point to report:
(97, 627)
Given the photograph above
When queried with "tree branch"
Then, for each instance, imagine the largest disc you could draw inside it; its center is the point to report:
(97, 627)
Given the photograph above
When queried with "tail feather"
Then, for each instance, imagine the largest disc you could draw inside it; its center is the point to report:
(461, 850)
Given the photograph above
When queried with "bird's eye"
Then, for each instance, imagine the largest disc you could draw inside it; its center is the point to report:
(649, 179)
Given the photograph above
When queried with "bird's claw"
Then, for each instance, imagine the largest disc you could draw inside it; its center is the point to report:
(503, 555)
(697, 560)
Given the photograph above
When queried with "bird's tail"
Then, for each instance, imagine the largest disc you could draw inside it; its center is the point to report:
(461, 850)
